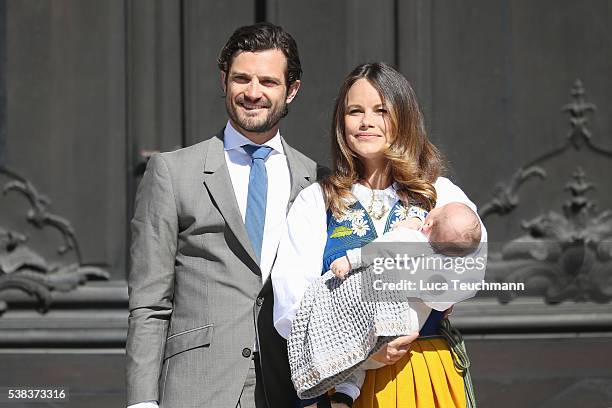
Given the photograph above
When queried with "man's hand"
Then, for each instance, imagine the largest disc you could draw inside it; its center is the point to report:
(394, 350)
(340, 267)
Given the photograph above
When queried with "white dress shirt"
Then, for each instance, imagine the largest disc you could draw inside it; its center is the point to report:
(279, 188)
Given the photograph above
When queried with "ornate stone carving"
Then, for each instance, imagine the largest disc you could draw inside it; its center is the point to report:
(567, 255)
(506, 194)
(569, 252)
(578, 120)
(22, 268)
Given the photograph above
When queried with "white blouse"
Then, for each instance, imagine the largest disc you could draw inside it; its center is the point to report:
(300, 253)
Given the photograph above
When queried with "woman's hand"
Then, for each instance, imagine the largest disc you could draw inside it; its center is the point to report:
(394, 350)
(410, 223)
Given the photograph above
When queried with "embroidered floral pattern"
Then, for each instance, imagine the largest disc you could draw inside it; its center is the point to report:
(358, 224)
(352, 215)
(401, 213)
(398, 213)
(341, 231)
(357, 215)
(360, 227)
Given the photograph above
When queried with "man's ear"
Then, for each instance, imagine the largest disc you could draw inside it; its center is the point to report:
(223, 84)
(293, 90)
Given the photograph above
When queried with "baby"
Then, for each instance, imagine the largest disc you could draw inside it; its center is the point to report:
(452, 230)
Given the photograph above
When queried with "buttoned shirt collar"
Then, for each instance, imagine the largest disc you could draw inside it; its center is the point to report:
(232, 139)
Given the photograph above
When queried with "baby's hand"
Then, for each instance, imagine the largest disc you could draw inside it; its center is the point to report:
(412, 223)
(340, 267)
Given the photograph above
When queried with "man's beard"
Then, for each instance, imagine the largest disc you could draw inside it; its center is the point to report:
(256, 124)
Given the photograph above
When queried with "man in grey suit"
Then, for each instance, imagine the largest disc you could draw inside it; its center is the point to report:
(206, 228)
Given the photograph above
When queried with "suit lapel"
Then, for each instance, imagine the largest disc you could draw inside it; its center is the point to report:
(219, 184)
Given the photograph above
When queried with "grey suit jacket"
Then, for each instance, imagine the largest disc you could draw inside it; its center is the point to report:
(195, 290)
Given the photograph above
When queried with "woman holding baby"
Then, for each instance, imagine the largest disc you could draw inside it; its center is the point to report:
(386, 173)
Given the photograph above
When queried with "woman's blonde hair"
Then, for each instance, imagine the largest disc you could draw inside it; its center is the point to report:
(413, 162)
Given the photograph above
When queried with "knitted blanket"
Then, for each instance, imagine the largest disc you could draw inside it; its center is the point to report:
(339, 325)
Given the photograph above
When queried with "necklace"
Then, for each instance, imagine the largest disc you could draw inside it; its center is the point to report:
(377, 207)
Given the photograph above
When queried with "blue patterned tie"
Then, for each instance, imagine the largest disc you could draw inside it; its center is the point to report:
(257, 197)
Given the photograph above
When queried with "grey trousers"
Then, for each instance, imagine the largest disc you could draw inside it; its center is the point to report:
(253, 395)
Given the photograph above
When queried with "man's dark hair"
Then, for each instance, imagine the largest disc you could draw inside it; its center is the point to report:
(262, 37)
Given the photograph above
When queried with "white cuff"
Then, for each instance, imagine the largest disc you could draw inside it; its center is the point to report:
(354, 258)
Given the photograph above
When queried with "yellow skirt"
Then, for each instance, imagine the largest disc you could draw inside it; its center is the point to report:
(426, 377)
